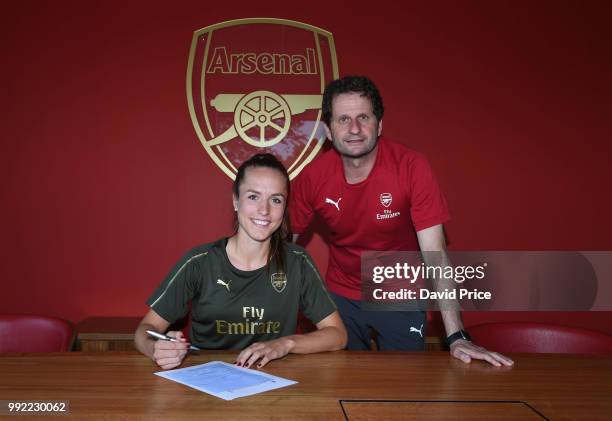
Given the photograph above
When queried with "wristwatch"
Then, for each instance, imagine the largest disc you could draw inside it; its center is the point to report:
(460, 334)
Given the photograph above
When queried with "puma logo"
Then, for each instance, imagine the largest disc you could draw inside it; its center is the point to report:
(331, 202)
(226, 285)
(419, 331)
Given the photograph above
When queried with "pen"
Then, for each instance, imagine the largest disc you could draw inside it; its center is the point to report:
(169, 338)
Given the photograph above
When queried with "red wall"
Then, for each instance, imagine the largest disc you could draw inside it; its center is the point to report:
(105, 184)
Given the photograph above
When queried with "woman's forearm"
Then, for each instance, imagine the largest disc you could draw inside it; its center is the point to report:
(143, 342)
(330, 338)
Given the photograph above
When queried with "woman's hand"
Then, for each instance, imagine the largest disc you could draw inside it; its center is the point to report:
(263, 352)
(329, 336)
(167, 354)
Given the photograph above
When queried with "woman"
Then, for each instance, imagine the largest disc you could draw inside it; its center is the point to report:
(245, 291)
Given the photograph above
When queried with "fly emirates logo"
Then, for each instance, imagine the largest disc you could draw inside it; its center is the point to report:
(253, 323)
(386, 199)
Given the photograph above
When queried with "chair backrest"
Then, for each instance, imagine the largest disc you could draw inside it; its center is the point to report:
(540, 338)
(28, 333)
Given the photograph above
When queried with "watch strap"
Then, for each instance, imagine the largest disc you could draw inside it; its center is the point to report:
(460, 334)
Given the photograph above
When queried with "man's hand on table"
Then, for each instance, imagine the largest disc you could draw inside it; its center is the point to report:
(466, 351)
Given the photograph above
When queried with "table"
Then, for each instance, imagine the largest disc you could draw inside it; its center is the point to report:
(334, 385)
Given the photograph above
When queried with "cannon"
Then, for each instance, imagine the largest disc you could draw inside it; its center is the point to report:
(262, 109)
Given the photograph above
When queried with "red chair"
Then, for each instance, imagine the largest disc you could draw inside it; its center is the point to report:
(540, 338)
(27, 333)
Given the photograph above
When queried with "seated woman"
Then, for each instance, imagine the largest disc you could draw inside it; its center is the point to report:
(245, 291)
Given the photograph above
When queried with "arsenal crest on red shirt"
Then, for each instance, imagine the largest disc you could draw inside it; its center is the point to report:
(386, 199)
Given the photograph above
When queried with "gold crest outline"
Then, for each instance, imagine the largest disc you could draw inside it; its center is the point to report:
(227, 167)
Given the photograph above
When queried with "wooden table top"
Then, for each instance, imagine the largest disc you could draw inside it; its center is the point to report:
(334, 385)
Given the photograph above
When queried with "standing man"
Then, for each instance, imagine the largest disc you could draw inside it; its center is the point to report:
(350, 187)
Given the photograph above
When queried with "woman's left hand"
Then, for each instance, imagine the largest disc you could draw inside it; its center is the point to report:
(263, 352)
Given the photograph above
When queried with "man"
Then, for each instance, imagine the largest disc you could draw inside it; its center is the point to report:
(350, 187)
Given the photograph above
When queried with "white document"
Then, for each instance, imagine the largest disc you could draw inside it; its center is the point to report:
(225, 381)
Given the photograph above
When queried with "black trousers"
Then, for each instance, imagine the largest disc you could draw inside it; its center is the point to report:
(395, 330)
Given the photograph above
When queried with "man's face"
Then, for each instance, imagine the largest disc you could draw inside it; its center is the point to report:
(354, 129)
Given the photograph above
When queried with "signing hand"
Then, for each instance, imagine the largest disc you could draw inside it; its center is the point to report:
(263, 352)
(168, 354)
(466, 350)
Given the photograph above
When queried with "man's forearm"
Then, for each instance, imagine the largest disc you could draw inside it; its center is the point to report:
(452, 321)
(449, 308)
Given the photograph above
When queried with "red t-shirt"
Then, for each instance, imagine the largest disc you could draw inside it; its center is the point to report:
(383, 212)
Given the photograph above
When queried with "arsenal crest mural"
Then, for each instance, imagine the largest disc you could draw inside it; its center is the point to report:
(255, 85)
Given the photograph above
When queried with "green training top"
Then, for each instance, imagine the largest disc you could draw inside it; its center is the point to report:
(232, 308)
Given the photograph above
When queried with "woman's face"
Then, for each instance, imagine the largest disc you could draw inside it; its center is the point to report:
(261, 203)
